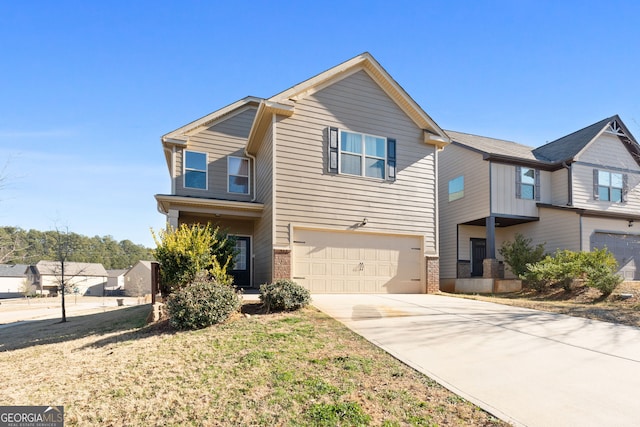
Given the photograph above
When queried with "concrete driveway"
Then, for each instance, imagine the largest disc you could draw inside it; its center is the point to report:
(524, 366)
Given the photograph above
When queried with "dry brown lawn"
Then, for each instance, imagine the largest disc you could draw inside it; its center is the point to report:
(580, 302)
(299, 368)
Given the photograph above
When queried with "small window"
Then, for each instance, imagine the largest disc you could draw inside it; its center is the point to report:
(610, 186)
(195, 170)
(456, 188)
(527, 183)
(238, 175)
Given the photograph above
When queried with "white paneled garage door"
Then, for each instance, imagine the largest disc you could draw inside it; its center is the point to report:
(626, 249)
(351, 262)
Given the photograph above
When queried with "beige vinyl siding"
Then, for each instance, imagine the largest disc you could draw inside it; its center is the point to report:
(307, 195)
(223, 139)
(263, 234)
(453, 162)
(503, 192)
(560, 187)
(583, 190)
(465, 234)
(607, 149)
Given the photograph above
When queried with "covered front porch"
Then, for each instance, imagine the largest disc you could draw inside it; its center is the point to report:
(478, 268)
(238, 219)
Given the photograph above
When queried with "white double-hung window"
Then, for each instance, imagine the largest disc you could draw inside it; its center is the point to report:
(237, 175)
(362, 155)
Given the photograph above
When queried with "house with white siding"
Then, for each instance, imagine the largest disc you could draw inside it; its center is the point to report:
(578, 192)
(80, 277)
(331, 183)
(12, 280)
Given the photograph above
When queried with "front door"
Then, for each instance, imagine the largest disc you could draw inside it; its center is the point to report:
(242, 269)
(478, 254)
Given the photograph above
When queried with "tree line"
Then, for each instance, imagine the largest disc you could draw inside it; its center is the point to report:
(18, 246)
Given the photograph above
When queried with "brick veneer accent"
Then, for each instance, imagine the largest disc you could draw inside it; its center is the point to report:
(281, 264)
(433, 274)
(492, 269)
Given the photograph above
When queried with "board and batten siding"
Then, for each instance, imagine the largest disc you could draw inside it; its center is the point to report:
(560, 187)
(307, 195)
(455, 161)
(503, 192)
(223, 139)
(263, 230)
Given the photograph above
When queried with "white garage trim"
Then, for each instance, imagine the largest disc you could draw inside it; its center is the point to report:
(339, 261)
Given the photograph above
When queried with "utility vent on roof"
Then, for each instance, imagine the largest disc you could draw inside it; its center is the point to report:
(615, 129)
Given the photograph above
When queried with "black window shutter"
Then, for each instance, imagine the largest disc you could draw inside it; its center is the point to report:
(333, 150)
(596, 195)
(518, 182)
(625, 187)
(391, 159)
(537, 188)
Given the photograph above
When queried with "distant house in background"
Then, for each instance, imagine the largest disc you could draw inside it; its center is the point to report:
(137, 281)
(12, 280)
(83, 278)
(115, 282)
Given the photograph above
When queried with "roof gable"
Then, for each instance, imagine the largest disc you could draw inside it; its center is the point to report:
(284, 102)
(551, 155)
(53, 268)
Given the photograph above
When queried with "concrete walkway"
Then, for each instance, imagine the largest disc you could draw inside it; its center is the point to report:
(524, 366)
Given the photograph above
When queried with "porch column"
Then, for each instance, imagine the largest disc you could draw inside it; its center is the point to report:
(172, 218)
(491, 237)
(490, 265)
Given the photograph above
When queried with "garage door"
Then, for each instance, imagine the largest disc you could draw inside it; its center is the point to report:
(626, 249)
(337, 262)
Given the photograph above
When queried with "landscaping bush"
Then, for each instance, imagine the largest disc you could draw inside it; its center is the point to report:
(519, 253)
(202, 303)
(597, 268)
(284, 294)
(190, 249)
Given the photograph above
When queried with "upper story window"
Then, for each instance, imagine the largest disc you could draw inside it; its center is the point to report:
(362, 155)
(195, 170)
(527, 183)
(238, 175)
(609, 186)
(456, 188)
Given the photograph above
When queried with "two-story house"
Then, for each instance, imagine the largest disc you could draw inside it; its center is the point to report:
(578, 192)
(331, 183)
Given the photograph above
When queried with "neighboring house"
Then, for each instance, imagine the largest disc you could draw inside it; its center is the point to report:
(12, 280)
(579, 192)
(83, 278)
(331, 183)
(137, 280)
(115, 281)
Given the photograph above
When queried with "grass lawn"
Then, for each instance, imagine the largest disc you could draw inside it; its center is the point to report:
(300, 368)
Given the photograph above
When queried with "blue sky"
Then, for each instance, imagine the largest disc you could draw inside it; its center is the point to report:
(88, 88)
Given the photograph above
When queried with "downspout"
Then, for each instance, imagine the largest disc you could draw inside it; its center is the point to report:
(569, 183)
(173, 169)
(254, 170)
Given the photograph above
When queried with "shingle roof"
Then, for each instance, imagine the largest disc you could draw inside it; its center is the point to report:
(567, 147)
(13, 270)
(492, 145)
(71, 268)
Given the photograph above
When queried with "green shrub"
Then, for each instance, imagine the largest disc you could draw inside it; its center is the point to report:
(519, 253)
(597, 268)
(188, 250)
(202, 303)
(284, 294)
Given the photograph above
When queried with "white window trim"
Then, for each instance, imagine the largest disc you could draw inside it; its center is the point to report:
(248, 176)
(185, 169)
(363, 155)
(611, 186)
